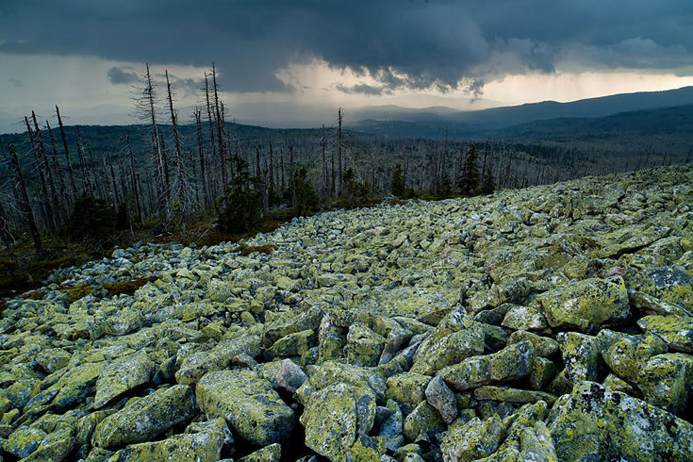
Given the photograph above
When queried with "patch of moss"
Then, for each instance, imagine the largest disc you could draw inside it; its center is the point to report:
(247, 250)
(128, 287)
(81, 290)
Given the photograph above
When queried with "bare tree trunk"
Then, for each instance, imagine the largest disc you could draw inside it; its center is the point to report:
(48, 200)
(67, 154)
(215, 158)
(54, 193)
(181, 186)
(339, 148)
(25, 205)
(86, 186)
(220, 128)
(201, 153)
(61, 182)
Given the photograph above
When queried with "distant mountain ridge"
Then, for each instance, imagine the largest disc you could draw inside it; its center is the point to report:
(434, 121)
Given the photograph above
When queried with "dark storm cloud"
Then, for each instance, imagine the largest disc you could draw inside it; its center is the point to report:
(413, 44)
(362, 89)
(118, 76)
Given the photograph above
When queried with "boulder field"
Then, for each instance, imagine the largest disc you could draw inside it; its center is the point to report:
(549, 323)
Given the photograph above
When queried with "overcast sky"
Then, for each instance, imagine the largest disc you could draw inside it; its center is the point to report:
(291, 62)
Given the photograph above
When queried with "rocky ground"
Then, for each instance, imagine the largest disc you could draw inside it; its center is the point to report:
(552, 323)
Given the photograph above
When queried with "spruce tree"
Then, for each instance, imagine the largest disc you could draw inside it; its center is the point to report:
(397, 185)
(469, 176)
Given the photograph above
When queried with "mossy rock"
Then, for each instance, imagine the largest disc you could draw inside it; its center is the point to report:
(595, 423)
(201, 441)
(78, 383)
(512, 395)
(122, 376)
(586, 305)
(581, 356)
(145, 418)
(271, 453)
(513, 362)
(676, 331)
(665, 381)
(423, 423)
(363, 346)
(470, 373)
(472, 440)
(408, 389)
(24, 441)
(296, 344)
(248, 403)
(335, 419)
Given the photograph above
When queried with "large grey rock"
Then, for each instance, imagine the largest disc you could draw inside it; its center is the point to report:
(201, 441)
(337, 419)
(122, 376)
(586, 305)
(595, 423)
(248, 403)
(145, 418)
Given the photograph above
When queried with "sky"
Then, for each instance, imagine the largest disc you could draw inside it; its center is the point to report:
(293, 62)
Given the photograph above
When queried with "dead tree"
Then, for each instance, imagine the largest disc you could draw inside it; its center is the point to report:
(220, 128)
(61, 182)
(325, 179)
(25, 204)
(180, 190)
(67, 154)
(210, 120)
(47, 200)
(339, 149)
(201, 154)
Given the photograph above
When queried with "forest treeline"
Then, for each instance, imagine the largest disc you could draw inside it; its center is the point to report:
(163, 174)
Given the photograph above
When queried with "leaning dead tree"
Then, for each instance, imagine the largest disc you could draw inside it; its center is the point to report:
(180, 192)
(25, 203)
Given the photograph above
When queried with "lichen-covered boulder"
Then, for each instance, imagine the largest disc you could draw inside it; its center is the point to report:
(513, 362)
(332, 372)
(595, 423)
(407, 389)
(24, 441)
(392, 426)
(511, 395)
(665, 381)
(676, 331)
(271, 453)
(122, 376)
(581, 356)
(202, 441)
(55, 446)
(524, 318)
(472, 440)
(295, 344)
(336, 420)
(542, 373)
(363, 346)
(544, 347)
(455, 338)
(198, 364)
(76, 385)
(470, 373)
(248, 403)
(586, 305)
(423, 423)
(145, 418)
